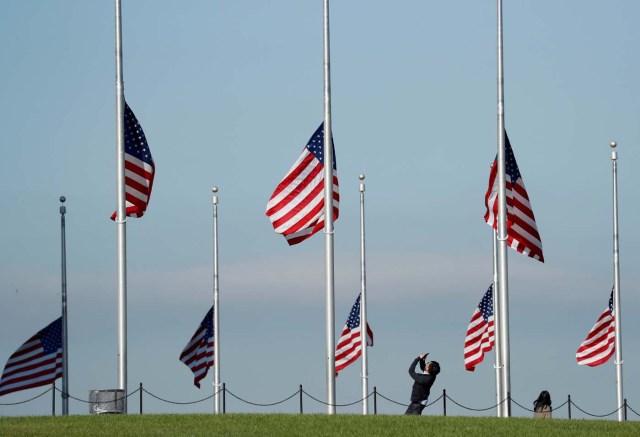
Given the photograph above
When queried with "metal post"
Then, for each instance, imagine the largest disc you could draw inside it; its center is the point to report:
(121, 224)
(300, 398)
(616, 285)
(328, 221)
(53, 398)
(375, 400)
(216, 308)
(444, 402)
(569, 405)
(363, 305)
(502, 285)
(224, 398)
(65, 331)
(497, 330)
(625, 409)
(141, 398)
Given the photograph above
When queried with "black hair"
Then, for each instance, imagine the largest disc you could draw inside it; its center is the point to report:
(434, 368)
(543, 399)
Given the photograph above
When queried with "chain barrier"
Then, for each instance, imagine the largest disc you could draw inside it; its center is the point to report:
(104, 402)
(338, 405)
(264, 405)
(297, 392)
(28, 400)
(175, 402)
(477, 409)
(406, 405)
(596, 415)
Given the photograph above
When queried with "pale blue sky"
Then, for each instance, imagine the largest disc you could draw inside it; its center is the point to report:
(228, 93)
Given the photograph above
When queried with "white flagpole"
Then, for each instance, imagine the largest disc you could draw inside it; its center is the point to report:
(498, 331)
(328, 222)
(363, 305)
(616, 286)
(502, 283)
(65, 332)
(121, 224)
(216, 308)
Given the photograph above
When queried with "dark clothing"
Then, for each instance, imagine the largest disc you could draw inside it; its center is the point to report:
(422, 384)
(421, 388)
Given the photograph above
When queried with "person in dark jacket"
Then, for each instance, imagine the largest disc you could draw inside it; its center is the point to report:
(422, 385)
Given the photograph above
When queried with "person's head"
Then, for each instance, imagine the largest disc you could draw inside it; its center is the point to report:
(543, 399)
(432, 368)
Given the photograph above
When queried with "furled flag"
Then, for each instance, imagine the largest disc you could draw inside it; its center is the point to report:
(198, 354)
(522, 232)
(139, 168)
(296, 207)
(36, 363)
(599, 345)
(480, 333)
(349, 346)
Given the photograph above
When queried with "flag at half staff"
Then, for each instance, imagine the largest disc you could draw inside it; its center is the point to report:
(480, 332)
(349, 346)
(198, 353)
(139, 169)
(522, 231)
(599, 345)
(296, 207)
(36, 363)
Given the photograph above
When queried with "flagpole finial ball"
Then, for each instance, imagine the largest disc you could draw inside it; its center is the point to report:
(613, 144)
(63, 199)
(361, 177)
(214, 189)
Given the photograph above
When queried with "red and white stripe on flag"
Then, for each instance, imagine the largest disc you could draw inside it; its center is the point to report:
(522, 231)
(480, 337)
(599, 345)
(296, 207)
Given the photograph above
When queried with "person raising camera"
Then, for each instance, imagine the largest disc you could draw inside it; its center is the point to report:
(422, 383)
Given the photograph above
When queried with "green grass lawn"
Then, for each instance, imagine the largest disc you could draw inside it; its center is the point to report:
(308, 425)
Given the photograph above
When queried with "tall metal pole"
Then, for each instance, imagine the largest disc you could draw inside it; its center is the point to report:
(65, 331)
(216, 308)
(363, 305)
(498, 331)
(328, 221)
(121, 224)
(502, 285)
(616, 286)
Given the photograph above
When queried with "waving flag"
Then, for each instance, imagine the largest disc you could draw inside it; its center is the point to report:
(349, 346)
(139, 169)
(36, 363)
(296, 207)
(599, 345)
(198, 354)
(522, 231)
(480, 333)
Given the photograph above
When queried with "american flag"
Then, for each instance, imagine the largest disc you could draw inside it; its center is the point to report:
(36, 363)
(349, 346)
(599, 345)
(480, 333)
(522, 231)
(198, 354)
(296, 207)
(139, 168)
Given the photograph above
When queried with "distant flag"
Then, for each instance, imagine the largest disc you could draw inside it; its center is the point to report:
(36, 363)
(480, 333)
(296, 207)
(139, 169)
(522, 231)
(349, 346)
(599, 345)
(198, 354)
